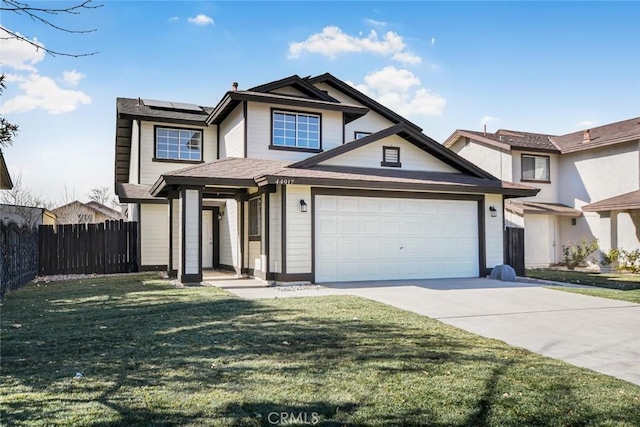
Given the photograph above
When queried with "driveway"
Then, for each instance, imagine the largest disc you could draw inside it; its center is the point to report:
(595, 333)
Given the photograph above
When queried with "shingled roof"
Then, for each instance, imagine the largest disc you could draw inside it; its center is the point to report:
(622, 202)
(136, 109)
(511, 138)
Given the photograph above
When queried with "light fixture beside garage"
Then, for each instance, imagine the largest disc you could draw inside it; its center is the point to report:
(493, 211)
(303, 205)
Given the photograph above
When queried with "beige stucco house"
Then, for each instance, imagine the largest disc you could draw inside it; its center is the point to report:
(85, 213)
(303, 180)
(589, 184)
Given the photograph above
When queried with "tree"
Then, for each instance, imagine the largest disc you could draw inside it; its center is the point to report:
(102, 195)
(8, 131)
(23, 200)
(45, 16)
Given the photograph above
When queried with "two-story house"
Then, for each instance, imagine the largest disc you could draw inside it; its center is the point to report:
(303, 180)
(589, 184)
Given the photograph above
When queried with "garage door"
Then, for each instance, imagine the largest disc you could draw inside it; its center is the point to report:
(373, 238)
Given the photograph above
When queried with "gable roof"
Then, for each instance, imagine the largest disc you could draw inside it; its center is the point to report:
(407, 132)
(609, 134)
(247, 172)
(130, 108)
(5, 178)
(612, 133)
(92, 206)
(302, 85)
(363, 99)
(232, 99)
(508, 139)
(624, 201)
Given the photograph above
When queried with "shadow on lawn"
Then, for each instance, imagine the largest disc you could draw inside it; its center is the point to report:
(181, 347)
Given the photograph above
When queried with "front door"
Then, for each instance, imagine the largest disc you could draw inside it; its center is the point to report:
(207, 239)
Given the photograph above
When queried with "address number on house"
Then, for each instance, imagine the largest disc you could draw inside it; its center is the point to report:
(285, 181)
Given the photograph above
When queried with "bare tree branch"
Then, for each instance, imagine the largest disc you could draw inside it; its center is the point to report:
(36, 14)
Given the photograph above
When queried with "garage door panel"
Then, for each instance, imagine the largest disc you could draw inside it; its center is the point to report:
(385, 239)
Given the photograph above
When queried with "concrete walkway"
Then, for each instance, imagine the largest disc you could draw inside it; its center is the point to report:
(595, 333)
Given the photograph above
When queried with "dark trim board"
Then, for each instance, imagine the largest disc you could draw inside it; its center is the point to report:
(245, 120)
(139, 234)
(292, 277)
(153, 267)
(315, 191)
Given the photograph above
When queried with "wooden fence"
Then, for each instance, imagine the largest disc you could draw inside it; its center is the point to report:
(514, 249)
(110, 247)
(18, 256)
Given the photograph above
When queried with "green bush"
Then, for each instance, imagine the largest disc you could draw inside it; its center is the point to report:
(575, 254)
(610, 257)
(630, 261)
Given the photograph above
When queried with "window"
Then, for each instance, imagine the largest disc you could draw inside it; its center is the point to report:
(296, 130)
(255, 218)
(178, 144)
(358, 135)
(391, 157)
(535, 168)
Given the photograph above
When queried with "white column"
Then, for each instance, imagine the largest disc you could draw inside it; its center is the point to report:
(190, 235)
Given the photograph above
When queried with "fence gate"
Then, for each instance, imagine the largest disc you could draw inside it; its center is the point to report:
(514, 249)
(106, 248)
(18, 256)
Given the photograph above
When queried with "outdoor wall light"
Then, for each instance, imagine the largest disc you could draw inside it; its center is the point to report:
(573, 221)
(493, 211)
(220, 215)
(303, 206)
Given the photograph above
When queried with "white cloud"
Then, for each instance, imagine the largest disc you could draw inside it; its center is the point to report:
(587, 123)
(18, 54)
(375, 23)
(332, 41)
(488, 119)
(201, 19)
(173, 19)
(43, 92)
(402, 91)
(433, 41)
(72, 77)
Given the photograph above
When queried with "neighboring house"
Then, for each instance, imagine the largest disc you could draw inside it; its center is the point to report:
(303, 180)
(26, 216)
(5, 178)
(86, 213)
(589, 184)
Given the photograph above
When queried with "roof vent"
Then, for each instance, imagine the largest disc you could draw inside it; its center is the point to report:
(234, 87)
(586, 137)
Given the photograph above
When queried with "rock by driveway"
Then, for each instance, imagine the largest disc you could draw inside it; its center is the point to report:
(595, 333)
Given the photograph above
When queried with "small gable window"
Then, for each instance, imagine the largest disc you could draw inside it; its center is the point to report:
(255, 218)
(535, 168)
(391, 157)
(178, 144)
(297, 131)
(358, 135)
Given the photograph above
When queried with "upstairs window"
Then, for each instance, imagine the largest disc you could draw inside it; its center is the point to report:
(255, 218)
(358, 135)
(178, 144)
(296, 130)
(535, 168)
(391, 157)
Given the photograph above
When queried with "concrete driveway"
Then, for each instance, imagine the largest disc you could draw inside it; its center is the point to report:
(595, 333)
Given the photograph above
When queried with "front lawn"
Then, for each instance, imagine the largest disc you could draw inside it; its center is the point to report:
(606, 280)
(147, 353)
(631, 295)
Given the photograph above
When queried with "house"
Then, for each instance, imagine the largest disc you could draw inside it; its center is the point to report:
(26, 216)
(85, 213)
(5, 178)
(303, 180)
(589, 184)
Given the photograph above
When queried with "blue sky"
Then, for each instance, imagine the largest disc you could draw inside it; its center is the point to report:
(545, 67)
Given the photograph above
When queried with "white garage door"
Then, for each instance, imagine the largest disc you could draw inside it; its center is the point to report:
(372, 238)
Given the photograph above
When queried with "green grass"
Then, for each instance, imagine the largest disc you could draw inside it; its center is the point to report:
(606, 280)
(631, 295)
(152, 354)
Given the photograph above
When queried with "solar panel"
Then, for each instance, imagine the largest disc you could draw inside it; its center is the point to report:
(186, 107)
(157, 104)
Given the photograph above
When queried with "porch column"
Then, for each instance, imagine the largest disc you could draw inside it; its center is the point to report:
(608, 230)
(174, 233)
(190, 234)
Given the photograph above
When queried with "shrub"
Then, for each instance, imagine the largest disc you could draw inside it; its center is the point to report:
(630, 260)
(612, 256)
(575, 254)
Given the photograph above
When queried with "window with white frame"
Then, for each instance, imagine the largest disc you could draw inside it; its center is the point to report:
(358, 135)
(178, 144)
(255, 218)
(535, 168)
(296, 130)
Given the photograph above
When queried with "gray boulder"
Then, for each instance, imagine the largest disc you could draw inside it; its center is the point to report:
(503, 272)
